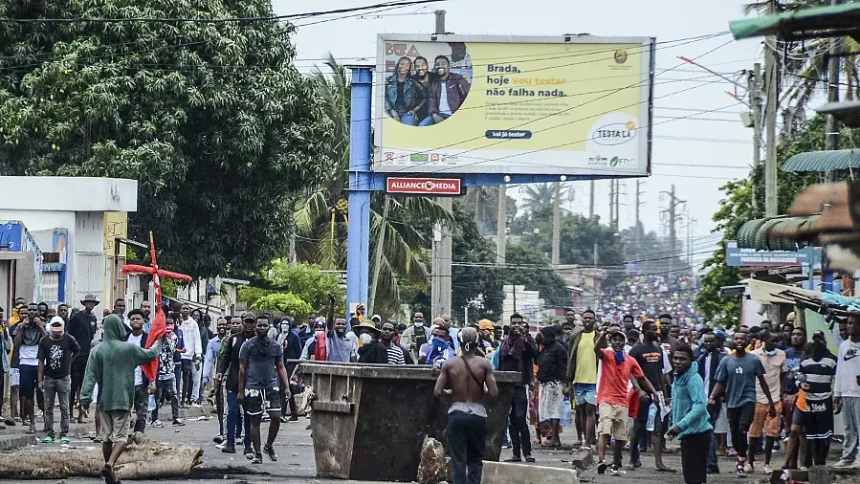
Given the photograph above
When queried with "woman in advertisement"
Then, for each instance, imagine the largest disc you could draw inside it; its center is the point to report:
(403, 96)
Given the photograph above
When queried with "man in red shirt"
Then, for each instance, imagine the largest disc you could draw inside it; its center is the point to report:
(616, 370)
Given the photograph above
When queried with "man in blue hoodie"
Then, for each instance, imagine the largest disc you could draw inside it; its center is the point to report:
(694, 430)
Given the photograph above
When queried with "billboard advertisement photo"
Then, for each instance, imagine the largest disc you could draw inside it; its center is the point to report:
(576, 105)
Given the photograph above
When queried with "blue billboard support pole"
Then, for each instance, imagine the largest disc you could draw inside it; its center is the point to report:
(360, 186)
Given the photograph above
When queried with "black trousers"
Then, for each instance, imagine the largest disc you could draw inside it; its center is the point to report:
(520, 438)
(79, 368)
(740, 419)
(466, 434)
(2, 390)
(694, 457)
(165, 390)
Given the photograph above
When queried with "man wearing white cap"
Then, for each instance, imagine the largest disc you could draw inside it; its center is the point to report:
(56, 352)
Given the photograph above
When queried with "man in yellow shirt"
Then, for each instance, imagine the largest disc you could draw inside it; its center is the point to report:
(582, 376)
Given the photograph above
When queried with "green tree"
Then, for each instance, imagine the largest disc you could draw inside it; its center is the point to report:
(308, 282)
(477, 285)
(285, 303)
(736, 209)
(321, 221)
(536, 274)
(212, 119)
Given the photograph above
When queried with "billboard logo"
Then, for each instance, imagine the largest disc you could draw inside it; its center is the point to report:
(615, 161)
(423, 186)
(389, 156)
(419, 157)
(620, 56)
(614, 134)
(597, 160)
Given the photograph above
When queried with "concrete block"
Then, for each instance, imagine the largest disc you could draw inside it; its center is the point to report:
(15, 442)
(504, 473)
(582, 458)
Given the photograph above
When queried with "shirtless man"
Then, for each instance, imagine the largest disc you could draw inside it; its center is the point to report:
(467, 379)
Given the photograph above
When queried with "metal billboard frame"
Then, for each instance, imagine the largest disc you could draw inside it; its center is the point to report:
(646, 108)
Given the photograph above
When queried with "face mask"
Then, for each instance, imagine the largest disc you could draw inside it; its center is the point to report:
(365, 338)
(417, 323)
(771, 353)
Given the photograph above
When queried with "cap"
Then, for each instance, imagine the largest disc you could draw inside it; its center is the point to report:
(485, 324)
(818, 334)
(89, 298)
(319, 324)
(376, 318)
(57, 324)
(249, 315)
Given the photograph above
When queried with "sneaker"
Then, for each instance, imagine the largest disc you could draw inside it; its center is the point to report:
(284, 419)
(601, 467)
(48, 440)
(856, 465)
(178, 423)
(614, 471)
(768, 469)
(221, 445)
(713, 470)
(219, 439)
(748, 468)
(294, 418)
(529, 458)
(843, 464)
(258, 459)
(196, 405)
(270, 451)
(65, 440)
(740, 472)
(249, 453)
(785, 476)
(157, 424)
(229, 448)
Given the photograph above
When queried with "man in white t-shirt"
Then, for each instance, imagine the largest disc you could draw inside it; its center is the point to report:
(193, 356)
(141, 385)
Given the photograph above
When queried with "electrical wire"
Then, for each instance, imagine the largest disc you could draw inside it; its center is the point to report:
(399, 3)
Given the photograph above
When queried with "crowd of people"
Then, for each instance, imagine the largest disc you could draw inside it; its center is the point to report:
(629, 385)
(648, 295)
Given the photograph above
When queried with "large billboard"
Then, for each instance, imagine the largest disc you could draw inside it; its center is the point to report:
(574, 105)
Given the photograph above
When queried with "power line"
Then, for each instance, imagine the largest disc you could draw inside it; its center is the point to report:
(399, 3)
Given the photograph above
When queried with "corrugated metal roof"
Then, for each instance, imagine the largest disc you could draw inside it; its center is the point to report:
(755, 234)
(823, 161)
(829, 21)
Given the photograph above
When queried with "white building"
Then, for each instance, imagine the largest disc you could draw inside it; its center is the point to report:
(73, 221)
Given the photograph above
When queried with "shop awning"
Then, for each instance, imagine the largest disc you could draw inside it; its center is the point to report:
(829, 21)
(823, 161)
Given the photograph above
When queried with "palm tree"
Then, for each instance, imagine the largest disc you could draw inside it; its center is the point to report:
(806, 67)
(321, 218)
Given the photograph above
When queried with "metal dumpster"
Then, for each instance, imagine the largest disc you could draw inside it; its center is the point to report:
(369, 421)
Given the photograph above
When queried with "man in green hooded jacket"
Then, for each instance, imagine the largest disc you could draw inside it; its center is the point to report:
(111, 365)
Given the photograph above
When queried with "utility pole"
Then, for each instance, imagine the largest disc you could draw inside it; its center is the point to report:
(673, 220)
(755, 102)
(831, 125)
(611, 202)
(771, 67)
(501, 225)
(442, 250)
(591, 202)
(556, 225)
(377, 263)
(637, 233)
(617, 203)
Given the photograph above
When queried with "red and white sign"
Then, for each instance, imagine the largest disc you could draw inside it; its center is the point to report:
(423, 186)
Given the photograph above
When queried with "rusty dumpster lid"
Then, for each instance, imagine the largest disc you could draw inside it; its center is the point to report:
(394, 372)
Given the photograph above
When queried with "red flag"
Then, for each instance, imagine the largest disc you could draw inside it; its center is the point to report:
(156, 331)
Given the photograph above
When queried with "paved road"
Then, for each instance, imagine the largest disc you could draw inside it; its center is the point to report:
(296, 462)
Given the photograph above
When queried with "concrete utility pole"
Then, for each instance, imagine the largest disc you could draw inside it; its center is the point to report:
(556, 225)
(673, 220)
(442, 250)
(617, 203)
(501, 225)
(771, 67)
(611, 202)
(831, 125)
(591, 202)
(377, 263)
(755, 102)
(639, 202)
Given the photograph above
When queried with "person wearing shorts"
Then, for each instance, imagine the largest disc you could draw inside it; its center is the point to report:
(30, 332)
(261, 366)
(775, 370)
(552, 364)
(612, 398)
(111, 366)
(582, 375)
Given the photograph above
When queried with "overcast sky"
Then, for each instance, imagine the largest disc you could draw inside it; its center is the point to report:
(697, 156)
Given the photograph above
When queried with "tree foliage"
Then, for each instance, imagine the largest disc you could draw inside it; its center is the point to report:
(305, 281)
(284, 303)
(536, 274)
(737, 209)
(213, 120)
